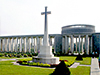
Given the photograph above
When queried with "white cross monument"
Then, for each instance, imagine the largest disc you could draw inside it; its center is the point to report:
(46, 55)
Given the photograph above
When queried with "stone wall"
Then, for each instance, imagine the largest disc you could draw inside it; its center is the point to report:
(96, 42)
(58, 43)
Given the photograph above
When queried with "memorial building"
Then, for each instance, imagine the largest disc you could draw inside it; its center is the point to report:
(77, 38)
(74, 38)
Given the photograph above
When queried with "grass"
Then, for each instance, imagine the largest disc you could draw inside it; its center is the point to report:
(69, 58)
(80, 70)
(7, 68)
(86, 61)
(7, 57)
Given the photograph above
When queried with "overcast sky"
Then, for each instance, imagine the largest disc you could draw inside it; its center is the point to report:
(23, 17)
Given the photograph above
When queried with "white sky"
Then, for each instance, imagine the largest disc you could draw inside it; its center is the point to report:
(23, 17)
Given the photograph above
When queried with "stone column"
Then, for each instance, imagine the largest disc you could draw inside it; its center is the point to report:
(90, 44)
(82, 44)
(29, 44)
(12, 44)
(3, 45)
(26, 44)
(24, 39)
(9, 44)
(0, 44)
(87, 48)
(40, 41)
(85, 43)
(16, 45)
(37, 44)
(54, 44)
(50, 41)
(66, 49)
(72, 43)
(21, 44)
(67, 43)
(35, 48)
(6, 44)
(76, 44)
(63, 43)
(79, 44)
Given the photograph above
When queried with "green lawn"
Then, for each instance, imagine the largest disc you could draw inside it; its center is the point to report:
(80, 70)
(7, 57)
(69, 58)
(7, 68)
(85, 61)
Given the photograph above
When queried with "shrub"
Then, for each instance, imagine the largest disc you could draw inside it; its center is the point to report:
(34, 54)
(46, 65)
(33, 64)
(20, 62)
(67, 63)
(25, 55)
(6, 55)
(39, 64)
(24, 63)
(1, 55)
(9, 55)
(30, 55)
(19, 55)
(61, 69)
(14, 55)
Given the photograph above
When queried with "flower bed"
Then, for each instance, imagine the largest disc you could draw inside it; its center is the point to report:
(27, 62)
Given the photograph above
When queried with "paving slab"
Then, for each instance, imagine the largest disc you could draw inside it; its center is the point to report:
(94, 67)
(74, 65)
(85, 65)
(6, 59)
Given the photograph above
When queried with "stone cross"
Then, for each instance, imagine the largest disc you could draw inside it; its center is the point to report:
(45, 39)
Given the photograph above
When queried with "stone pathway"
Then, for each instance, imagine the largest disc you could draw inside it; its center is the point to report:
(74, 65)
(84, 65)
(6, 59)
(95, 70)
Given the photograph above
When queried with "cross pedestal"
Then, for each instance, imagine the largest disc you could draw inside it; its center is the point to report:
(46, 55)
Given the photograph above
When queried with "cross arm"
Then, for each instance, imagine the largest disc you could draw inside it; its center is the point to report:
(42, 13)
(49, 12)
(45, 12)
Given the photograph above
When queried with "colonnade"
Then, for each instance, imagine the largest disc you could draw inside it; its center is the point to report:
(71, 42)
(22, 44)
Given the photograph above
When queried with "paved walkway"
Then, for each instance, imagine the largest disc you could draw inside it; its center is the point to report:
(74, 65)
(94, 67)
(6, 59)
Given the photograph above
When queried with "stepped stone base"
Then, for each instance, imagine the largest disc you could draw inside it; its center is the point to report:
(46, 56)
(52, 60)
